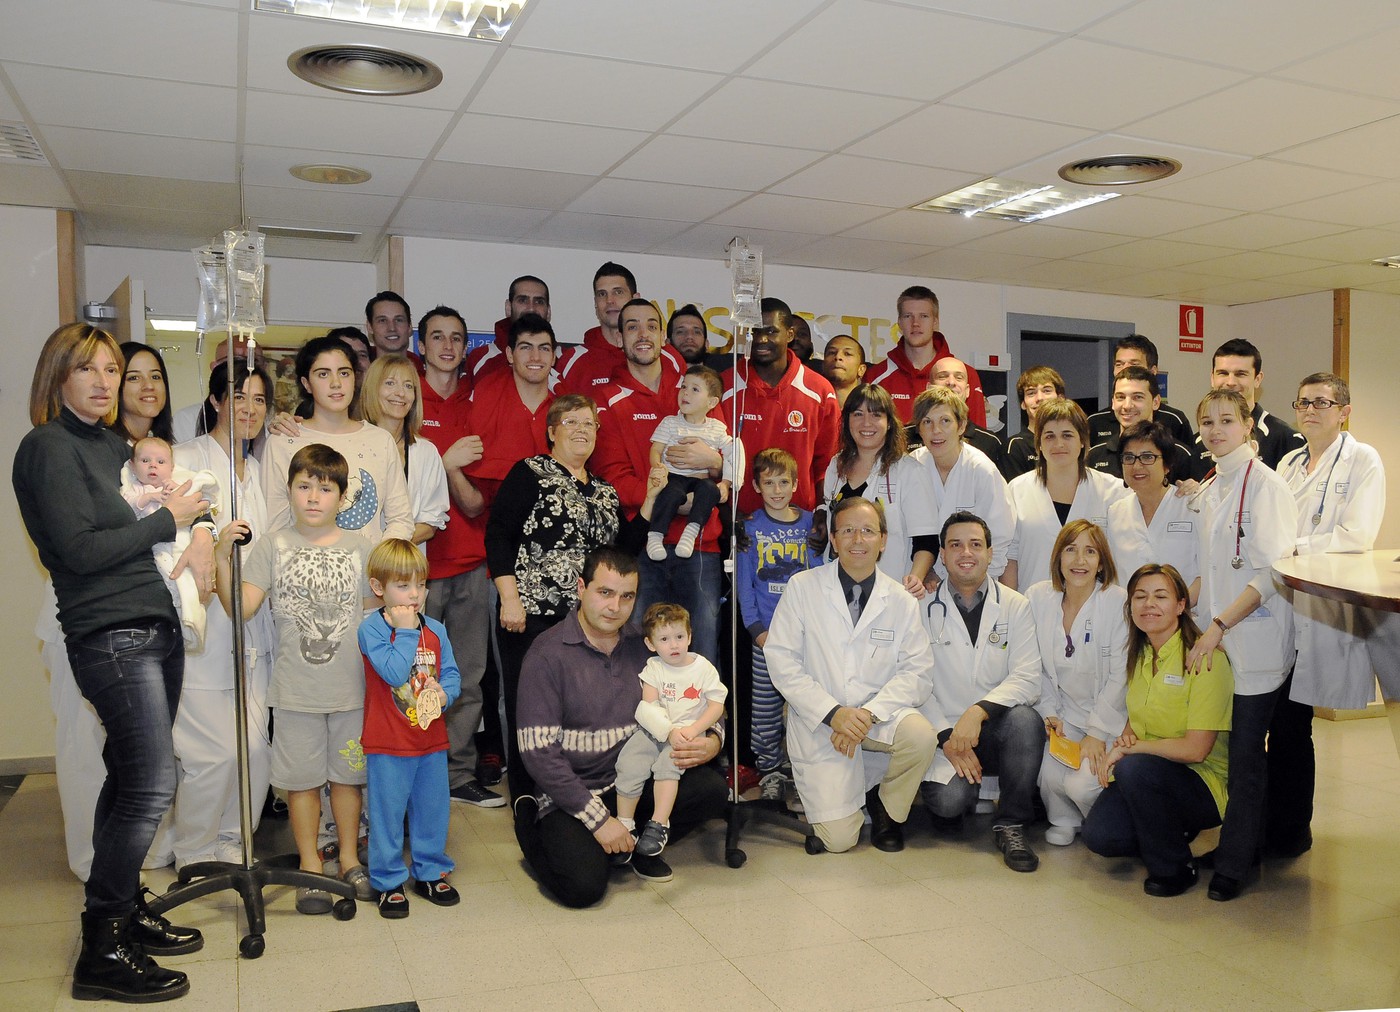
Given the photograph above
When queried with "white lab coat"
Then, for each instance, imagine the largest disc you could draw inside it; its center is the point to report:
(427, 485)
(1261, 647)
(1334, 664)
(1170, 539)
(884, 488)
(974, 484)
(1006, 671)
(1038, 525)
(1088, 689)
(818, 661)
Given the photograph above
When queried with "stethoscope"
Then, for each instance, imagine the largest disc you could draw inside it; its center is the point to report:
(1341, 443)
(993, 637)
(1237, 561)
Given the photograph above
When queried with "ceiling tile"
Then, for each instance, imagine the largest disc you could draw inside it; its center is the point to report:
(1241, 292)
(710, 241)
(1152, 253)
(1252, 34)
(151, 193)
(341, 124)
(1257, 265)
(273, 38)
(1253, 231)
(578, 89)
(1365, 66)
(775, 211)
(822, 118)
(1368, 149)
(1071, 273)
(956, 265)
(271, 167)
(137, 154)
(1092, 85)
(1045, 240)
(967, 139)
(929, 227)
(534, 144)
(1139, 216)
(637, 199)
(951, 50)
(870, 181)
(719, 35)
(1157, 284)
(361, 250)
(325, 206)
(182, 229)
(1260, 185)
(606, 232)
(705, 162)
(490, 184)
(136, 105)
(1245, 118)
(1367, 205)
(1359, 246)
(1339, 276)
(460, 219)
(34, 186)
(846, 254)
(1061, 16)
(195, 44)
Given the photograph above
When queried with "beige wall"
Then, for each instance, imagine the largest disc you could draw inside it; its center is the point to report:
(29, 307)
(1375, 419)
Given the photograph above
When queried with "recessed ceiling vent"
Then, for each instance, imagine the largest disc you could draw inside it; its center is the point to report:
(1119, 170)
(17, 144)
(364, 70)
(321, 234)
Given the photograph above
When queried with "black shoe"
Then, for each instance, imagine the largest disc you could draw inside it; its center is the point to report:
(1288, 849)
(1015, 848)
(111, 966)
(393, 904)
(472, 793)
(885, 833)
(653, 869)
(156, 935)
(946, 825)
(488, 770)
(1223, 888)
(439, 892)
(1171, 885)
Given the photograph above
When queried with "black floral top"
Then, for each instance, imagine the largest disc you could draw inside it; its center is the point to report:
(543, 522)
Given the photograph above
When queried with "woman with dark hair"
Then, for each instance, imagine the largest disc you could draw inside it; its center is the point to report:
(1153, 524)
(145, 397)
(123, 642)
(872, 443)
(1060, 489)
(1082, 632)
(207, 822)
(549, 513)
(1164, 777)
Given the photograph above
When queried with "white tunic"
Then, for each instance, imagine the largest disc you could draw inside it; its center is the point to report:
(974, 484)
(884, 488)
(1003, 666)
(1038, 525)
(1170, 539)
(1089, 688)
(818, 660)
(1334, 665)
(1260, 648)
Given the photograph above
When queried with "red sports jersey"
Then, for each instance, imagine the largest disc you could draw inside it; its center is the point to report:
(904, 382)
(509, 430)
(461, 545)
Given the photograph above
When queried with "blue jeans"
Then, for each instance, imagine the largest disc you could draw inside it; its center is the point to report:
(692, 583)
(1009, 748)
(1151, 809)
(131, 674)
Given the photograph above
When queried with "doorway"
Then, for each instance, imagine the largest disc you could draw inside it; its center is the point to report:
(1081, 351)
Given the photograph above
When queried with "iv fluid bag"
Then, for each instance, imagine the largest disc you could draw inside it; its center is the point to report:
(243, 251)
(746, 271)
(213, 289)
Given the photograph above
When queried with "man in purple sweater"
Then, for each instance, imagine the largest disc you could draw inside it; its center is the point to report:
(579, 690)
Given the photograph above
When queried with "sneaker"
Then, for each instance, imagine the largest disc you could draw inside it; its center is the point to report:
(472, 793)
(439, 892)
(229, 851)
(489, 770)
(393, 903)
(652, 839)
(1015, 850)
(773, 787)
(748, 779)
(653, 869)
(1060, 836)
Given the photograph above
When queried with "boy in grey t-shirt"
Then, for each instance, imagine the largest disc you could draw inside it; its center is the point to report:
(313, 573)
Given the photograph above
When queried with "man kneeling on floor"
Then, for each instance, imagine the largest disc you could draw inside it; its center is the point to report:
(849, 653)
(579, 690)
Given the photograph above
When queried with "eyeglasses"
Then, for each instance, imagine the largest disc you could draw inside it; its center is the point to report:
(1140, 458)
(1321, 403)
(865, 533)
(579, 424)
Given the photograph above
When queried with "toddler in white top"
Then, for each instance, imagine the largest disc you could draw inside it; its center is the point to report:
(699, 392)
(682, 698)
(148, 479)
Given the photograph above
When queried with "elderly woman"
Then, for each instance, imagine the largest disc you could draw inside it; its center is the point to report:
(548, 514)
(123, 641)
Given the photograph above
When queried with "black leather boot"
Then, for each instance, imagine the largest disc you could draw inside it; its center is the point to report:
(110, 966)
(157, 936)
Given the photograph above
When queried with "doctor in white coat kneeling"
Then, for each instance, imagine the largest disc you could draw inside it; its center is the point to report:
(848, 651)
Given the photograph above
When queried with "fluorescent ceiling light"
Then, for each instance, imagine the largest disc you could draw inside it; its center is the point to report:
(183, 326)
(1013, 200)
(1392, 262)
(470, 19)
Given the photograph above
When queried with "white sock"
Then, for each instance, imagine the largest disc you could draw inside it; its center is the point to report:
(627, 824)
(656, 547)
(685, 547)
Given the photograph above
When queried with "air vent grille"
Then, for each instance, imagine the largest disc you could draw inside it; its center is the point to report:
(1119, 170)
(364, 70)
(17, 144)
(321, 234)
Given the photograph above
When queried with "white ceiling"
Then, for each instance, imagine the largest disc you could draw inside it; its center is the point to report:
(666, 126)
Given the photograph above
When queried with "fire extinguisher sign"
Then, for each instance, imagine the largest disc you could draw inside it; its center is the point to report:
(1192, 327)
